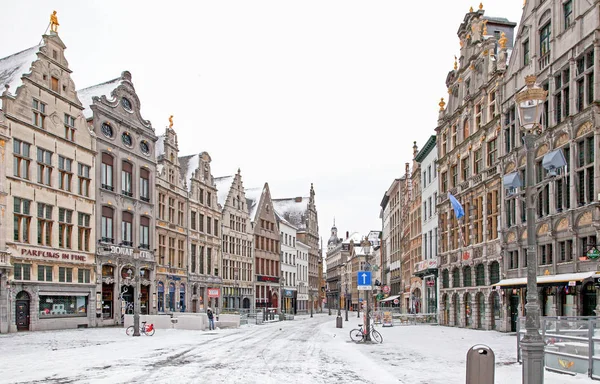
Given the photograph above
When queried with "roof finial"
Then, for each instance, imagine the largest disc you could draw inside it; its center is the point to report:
(502, 41)
(471, 9)
(480, 6)
(441, 104)
(334, 221)
(54, 23)
(239, 171)
(171, 121)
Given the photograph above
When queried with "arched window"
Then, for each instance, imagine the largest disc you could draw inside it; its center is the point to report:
(161, 296)
(445, 279)
(480, 275)
(455, 278)
(467, 276)
(494, 272)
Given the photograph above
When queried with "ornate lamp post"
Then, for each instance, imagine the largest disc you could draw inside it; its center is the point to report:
(366, 246)
(530, 103)
(135, 275)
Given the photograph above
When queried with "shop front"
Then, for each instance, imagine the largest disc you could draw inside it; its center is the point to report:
(427, 270)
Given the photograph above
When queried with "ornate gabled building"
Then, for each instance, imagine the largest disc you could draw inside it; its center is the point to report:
(47, 194)
(267, 267)
(125, 215)
(203, 233)
(393, 268)
(301, 212)
(237, 248)
(557, 41)
(468, 140)
(171, 226)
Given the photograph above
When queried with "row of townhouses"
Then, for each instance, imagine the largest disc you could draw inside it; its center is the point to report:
(472, 271)
(95, 204)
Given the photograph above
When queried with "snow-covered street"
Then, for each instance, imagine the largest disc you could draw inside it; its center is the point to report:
(304, 350)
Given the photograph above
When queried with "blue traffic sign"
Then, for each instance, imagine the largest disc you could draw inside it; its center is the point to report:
(364, 278)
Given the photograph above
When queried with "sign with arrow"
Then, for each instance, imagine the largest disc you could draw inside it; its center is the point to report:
(364, 280)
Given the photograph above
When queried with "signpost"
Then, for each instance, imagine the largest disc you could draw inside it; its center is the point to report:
(364, 280)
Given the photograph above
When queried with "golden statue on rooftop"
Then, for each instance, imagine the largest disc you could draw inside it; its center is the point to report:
(54, 22)
(171, 121)
(480, 6)
(442, 104)
(455, 63)
(502, 41)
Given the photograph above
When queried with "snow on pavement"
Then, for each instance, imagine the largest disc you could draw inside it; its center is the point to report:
(306, 350)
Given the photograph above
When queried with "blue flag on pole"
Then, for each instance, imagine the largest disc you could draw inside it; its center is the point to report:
(458, 208)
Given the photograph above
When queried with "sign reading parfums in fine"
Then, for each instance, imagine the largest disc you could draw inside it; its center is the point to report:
(364, 280)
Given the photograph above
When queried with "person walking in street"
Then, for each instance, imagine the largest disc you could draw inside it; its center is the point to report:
(211, 322)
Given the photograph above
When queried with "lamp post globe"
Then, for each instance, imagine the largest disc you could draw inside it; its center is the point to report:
(530, 104)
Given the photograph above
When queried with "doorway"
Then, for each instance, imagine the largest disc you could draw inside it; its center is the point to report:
(589, 300)
(514, 312)
(22, 311)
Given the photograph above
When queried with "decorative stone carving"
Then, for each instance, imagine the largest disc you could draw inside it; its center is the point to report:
(562, 225)
(512, 237)
(108, 280)
(541, 150)
(522, 161)
(510, 167)
(584, 128)
(585, 219)
(562, 139)
(543, 229)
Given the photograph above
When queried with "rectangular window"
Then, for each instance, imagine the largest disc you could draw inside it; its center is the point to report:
(180, 253)
(161, 206)
(83, 276)
(144, 232)
(162, 249)
(216, 232)
(201, 260)
(466, 172)
(127, 179)
(477, 161)
(144, 185)
(568, 13)
(21, 159)
(193, 220)
(106, 224)
(444, 182)
(454, 176)
(171, 252)
(22, 219)
(171, 210)
(44, 220)
(44, 273)
(193, 258)
(83, 174)
(208, 260)
(526, 52)
(22, 271)
(545, 40)
(126, 229)
(491, 152)
(180, 210)
(585, 171)
(208, 225)
(44, 160)
(65, 275)
(566, 251)
(54, 84)
(83, 231)
(208, 199)
(69, 127)
(65, 173)
(65, 227)
(63, 306)
(106, 172)
(39, 113)
(201, 223)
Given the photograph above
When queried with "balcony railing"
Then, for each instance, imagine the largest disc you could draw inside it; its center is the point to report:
(127, 193)
(464, 185)
(144, 246)
(108, 240)
(4, 258)
(108, 187)
(144, 198)
(127, 243)
(492, 171)
(544, 61)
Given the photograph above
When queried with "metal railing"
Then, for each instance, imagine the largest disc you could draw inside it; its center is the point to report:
(572, 344)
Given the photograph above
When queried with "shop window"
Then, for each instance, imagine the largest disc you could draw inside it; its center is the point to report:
(108, 271)
(63, 306)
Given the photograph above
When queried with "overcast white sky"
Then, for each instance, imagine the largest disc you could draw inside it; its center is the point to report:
(292, 92)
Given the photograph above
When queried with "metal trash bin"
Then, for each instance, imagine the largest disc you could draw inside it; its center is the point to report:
(480, 365)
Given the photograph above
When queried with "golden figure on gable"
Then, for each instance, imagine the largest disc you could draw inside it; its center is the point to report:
(171, 121)
(54, 22)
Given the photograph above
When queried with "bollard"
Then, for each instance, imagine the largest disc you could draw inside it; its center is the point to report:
(480, 365)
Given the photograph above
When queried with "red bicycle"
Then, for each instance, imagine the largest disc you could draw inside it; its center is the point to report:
(147, 330)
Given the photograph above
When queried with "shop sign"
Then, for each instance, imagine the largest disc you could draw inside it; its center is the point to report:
(172, 277)
(129, 252)
(387, 319)
(426, 264)
(53, 255)
(386, 289)
(430, 283)
(288, 293)
(213, 292)
(593, 253)
(270, 279)
(572, 283)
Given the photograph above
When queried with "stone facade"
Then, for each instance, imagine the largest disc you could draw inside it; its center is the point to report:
(289, 293)
(558, 42)
(468, 141)
(47, 204)
(171, 227)
(391, 238)
(302, 277)
(238, 237)
(125, 219)
(204, 233)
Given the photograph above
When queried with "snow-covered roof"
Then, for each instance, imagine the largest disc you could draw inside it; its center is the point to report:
(223, 184)
(294, 210)
(354, 236)
(188, 164)
(281, 219)
(13, 67)
(159, 147)
(103, 89)
(252, 200)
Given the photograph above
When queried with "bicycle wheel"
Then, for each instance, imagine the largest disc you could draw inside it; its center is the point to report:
(376, 336)
(150, 333)
(129, 331)
(356, 335)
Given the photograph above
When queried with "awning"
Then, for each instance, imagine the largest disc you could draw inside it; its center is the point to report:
(548, 279)
(391, 298)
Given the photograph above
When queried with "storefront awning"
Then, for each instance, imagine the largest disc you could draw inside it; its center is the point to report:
(547, 279)
(391, 298)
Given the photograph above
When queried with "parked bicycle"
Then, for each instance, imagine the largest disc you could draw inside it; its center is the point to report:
(147, 330)
(360, 334)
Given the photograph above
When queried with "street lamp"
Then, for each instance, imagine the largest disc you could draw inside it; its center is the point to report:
(338, 319)
(135, 274)
(366, 246)
(329, 301)
(530, 103)
(311, 302)
(281, 284)
(346, 300)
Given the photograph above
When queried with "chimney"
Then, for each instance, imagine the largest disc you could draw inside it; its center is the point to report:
(347, 234)
(415, 150)
(298, 199)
